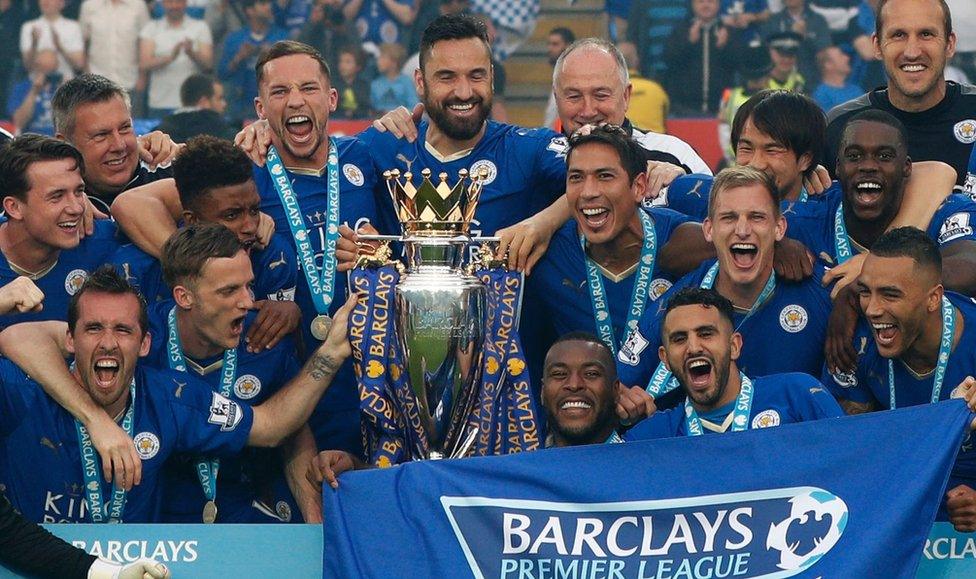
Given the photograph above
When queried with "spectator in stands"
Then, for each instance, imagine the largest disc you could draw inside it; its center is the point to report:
(11, 19)
(835, 88)
(224, 17)
(837, 13)
(651, 24)
(812, 28)
(328, 30)
(52, 31)
(617, 13)
(353, 89)
(754, 67)
(580, 391)
(380, 21)
(292, 15)
(392, 88)
(111, 30)
(915, 40)
(745, 17)
(240, 55)
(559, 38)
(700, 58)
(783, 49)
(29, 105)
(202, 112)
(445, 8)
(170, 50)
(867, 68)
(964, 15)
(648, 102)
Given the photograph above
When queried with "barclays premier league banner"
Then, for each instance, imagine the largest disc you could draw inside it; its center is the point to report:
(847, 497)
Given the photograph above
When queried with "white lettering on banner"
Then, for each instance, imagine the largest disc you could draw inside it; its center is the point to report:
(950, 548)
(129, 551)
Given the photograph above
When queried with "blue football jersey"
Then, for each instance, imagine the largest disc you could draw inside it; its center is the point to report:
(777, 399)
(560, 277)
(40, 458)
(275, 271)
(813, 223)
(242, 479)
(785, 334)
(526, 169)
(67, 276)
(869, 381)
(336, 419)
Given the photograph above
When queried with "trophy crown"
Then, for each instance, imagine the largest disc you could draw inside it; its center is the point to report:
(435, 210)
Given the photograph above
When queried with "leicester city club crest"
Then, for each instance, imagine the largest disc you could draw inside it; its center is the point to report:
(247, 386)
(793, 318)
(965, 131)
(147, 445)
(74, 280)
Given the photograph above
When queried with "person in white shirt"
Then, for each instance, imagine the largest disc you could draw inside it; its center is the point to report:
(171, 49)
(52, 31)
(111, 30)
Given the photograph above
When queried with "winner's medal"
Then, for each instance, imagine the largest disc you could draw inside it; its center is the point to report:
(321, 280)
(321, 326)
(210, 512)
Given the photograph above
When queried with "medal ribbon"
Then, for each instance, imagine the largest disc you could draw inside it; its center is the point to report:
(320, 285)
(638, 300)
(371, 350)
(206, 469)
(92, 466)
(945, 348)
(740, 414)
(662, 381)
(842, 242)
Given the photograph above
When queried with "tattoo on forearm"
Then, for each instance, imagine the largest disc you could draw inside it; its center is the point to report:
(321, 366)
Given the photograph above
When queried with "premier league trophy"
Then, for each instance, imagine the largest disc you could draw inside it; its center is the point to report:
(439, 312)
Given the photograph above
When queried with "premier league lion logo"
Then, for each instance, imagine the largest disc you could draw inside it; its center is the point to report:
(809, 511)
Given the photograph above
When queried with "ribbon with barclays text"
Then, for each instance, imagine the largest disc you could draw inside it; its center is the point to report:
(681, 507)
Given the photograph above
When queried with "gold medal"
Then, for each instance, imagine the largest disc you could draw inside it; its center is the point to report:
(209, 512)
(321, 326)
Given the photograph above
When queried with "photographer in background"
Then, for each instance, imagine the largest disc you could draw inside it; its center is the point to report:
(29, 103)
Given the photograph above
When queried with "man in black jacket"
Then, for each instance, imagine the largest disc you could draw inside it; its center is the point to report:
(31, 550)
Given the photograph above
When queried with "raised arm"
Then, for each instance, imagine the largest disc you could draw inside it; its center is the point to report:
(148, 214)
(927, 187)
(38, 348)
(285, 412)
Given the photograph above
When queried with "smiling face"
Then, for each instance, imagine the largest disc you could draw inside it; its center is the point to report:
(599, 191)
(579, 392)
(699, 347)
(760, 151)
(914, 48)
(744, 226)
(236, 207)
(218, 301)
(107, 342)
(455, 86)
(296, 98)
(590, 90)
(53, 206)
(872, 167)
(896, 297)
(104, 135)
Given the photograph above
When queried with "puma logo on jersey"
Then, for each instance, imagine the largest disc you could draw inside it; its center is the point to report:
(179, 388)
(45, 441)
(278, 262)
(578, 288)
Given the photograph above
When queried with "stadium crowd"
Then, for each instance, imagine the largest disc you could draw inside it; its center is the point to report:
(172, 312)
